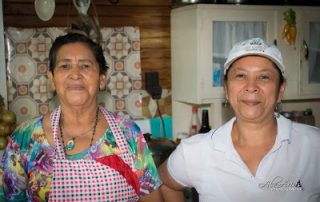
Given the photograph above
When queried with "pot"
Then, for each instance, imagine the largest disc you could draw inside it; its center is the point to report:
(160, 148)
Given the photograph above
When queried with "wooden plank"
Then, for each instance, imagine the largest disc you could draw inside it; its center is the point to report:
(105, 2)
(155, 43)
(155, 63)
(34, 21)
(155, 53)
(156, 32)
(68, 9)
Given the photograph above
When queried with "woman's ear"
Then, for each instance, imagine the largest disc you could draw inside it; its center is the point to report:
(281, 91)
(102, 82)
(50, 78)
(226, 91)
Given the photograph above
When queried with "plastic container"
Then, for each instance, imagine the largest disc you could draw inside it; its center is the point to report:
(195, 121)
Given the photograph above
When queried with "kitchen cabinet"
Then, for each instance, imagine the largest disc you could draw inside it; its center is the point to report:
(310, 58)
(302, 61)
(202, 35)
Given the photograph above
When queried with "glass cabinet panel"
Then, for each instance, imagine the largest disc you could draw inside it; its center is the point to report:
(225, 35)
(310, 55)
(314, 52)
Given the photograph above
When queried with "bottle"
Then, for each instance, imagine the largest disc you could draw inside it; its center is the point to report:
(308, 117)
(205, 127)
(195, 122)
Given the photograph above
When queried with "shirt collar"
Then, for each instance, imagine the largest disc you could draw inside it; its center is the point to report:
(222, 141)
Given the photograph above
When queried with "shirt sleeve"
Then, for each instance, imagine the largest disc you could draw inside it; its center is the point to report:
(14, 175)
(177, 166)
(146, 169)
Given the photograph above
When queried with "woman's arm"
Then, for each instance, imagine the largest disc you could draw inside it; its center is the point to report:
(167, 179)
(14, 176)
(164, 194)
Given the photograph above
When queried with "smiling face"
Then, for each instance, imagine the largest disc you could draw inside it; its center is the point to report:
(253, 88)
(76, 77)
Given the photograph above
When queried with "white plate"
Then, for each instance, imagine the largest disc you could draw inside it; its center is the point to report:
(44, 9)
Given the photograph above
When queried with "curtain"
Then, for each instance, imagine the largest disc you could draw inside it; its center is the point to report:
(225, 35)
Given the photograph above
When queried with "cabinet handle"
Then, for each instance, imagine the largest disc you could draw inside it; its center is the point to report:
(306, 50)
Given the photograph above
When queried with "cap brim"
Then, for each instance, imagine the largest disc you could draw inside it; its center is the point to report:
(274, 60)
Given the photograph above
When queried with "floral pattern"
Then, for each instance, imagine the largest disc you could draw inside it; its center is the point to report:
(28, 160)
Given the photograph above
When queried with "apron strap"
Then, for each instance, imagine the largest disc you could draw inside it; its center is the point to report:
(120, 138)
(55, 118)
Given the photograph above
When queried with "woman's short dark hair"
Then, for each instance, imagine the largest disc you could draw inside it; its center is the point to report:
(75, 38)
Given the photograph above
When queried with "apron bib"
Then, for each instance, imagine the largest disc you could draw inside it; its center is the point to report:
(110, 178)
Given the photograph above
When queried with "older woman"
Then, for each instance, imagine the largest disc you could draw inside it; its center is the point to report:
(258, 155)
(79, 152)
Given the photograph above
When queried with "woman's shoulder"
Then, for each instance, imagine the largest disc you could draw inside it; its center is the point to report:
(198, 138)
(29, 124)
(122, 120)
(129, 128)
(25, 130)
(305, 130)
(199, 142)
(215, 134)
(126, 123)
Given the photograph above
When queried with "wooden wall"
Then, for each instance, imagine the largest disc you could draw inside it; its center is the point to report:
(152, 17)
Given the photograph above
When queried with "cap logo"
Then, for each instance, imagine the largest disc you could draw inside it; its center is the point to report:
(256, 45)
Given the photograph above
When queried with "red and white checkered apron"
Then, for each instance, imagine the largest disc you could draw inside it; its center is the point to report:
(89, 180)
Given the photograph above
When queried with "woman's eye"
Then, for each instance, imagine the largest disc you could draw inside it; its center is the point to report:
(240, 76)
(85, 66)
(64, 66)
(264, 77)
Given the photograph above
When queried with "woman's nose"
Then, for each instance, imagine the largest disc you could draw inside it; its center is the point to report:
(252, 86)
(75, 72)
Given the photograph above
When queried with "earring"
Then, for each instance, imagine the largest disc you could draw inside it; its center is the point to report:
(277, 110)
(225, 102)
(102, 84)
(102, 88)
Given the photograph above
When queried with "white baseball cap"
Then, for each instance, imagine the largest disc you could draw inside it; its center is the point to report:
(255, 46)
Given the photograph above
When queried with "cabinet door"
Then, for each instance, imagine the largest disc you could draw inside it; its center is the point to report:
(224, 35)
(221, 29)
(310, 54)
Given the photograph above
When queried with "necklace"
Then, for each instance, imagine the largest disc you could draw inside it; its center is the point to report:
(71, 143)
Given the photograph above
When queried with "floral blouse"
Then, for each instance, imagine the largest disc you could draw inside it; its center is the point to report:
(27, 162)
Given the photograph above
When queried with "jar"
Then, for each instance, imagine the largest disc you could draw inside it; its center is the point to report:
(308, 117)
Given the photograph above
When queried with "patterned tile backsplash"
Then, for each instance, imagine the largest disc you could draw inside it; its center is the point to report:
(29, 94)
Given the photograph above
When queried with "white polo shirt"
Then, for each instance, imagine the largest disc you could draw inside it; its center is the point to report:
(289, 172)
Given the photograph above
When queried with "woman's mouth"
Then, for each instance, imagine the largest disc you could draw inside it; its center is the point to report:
(251, 102)
(75, 87)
